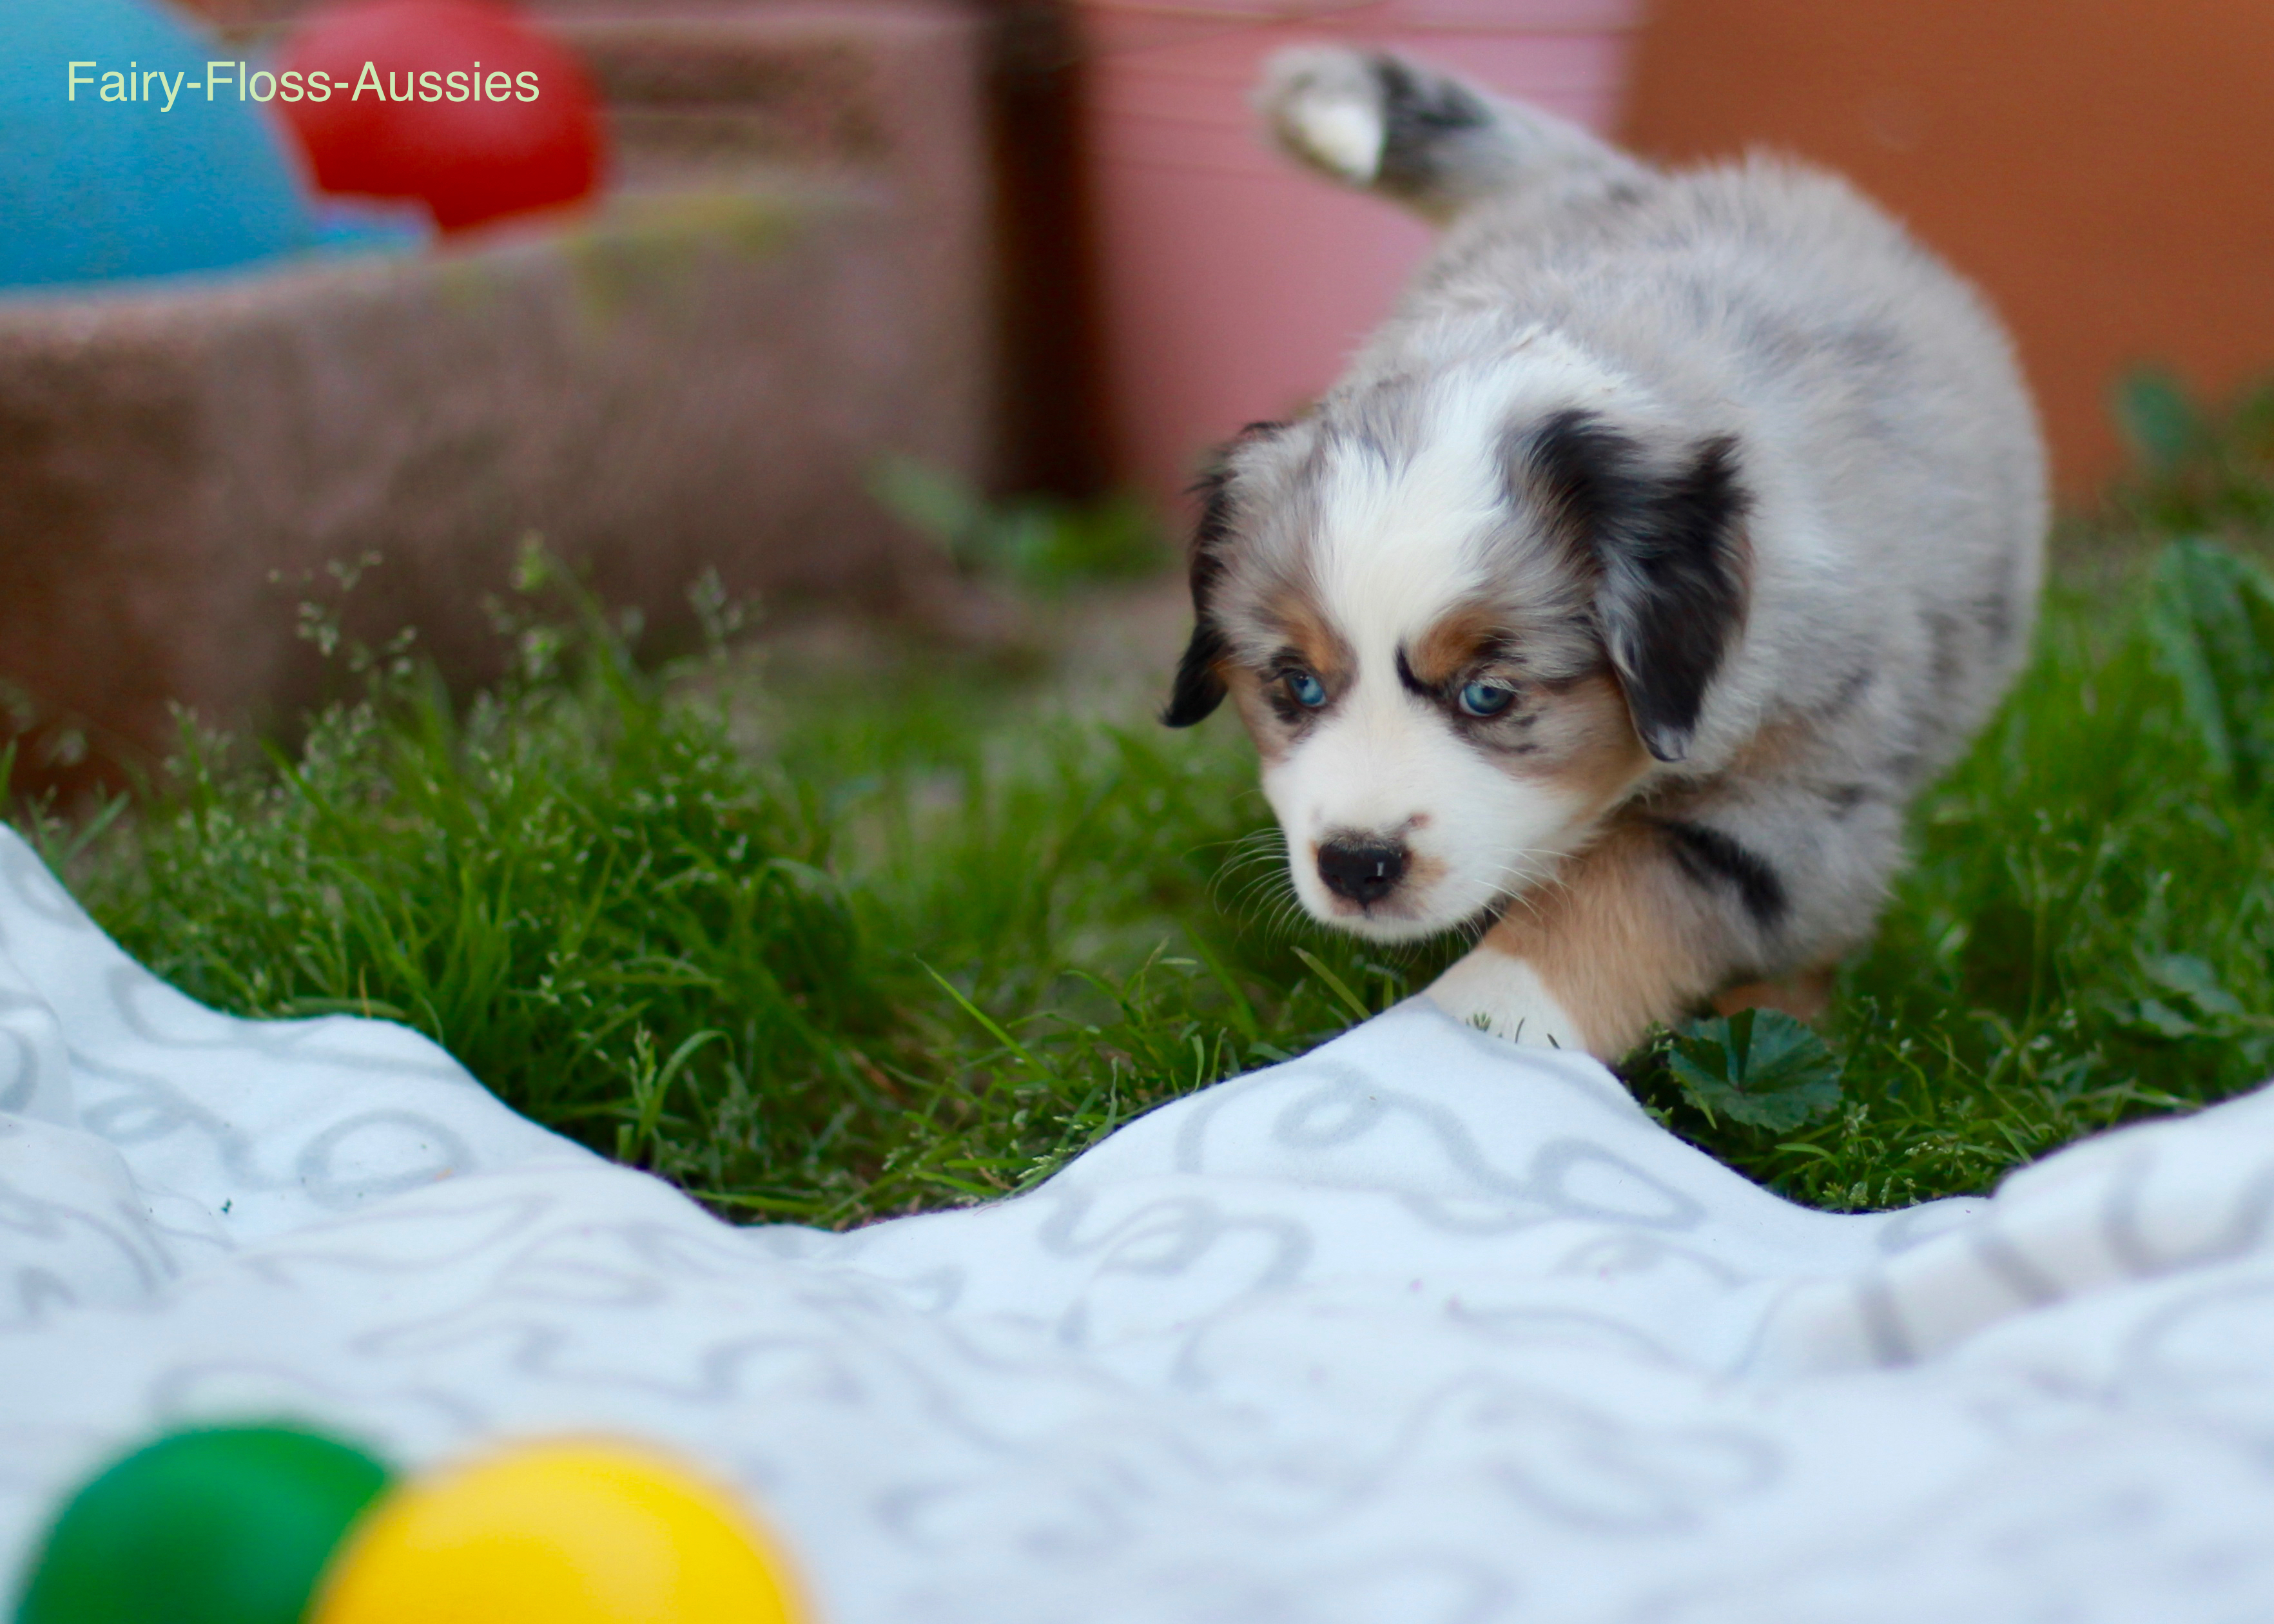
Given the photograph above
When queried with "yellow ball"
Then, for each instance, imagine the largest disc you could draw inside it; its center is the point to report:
(579, 1532)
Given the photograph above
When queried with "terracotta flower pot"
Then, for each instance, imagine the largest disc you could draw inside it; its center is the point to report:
(1234, 286)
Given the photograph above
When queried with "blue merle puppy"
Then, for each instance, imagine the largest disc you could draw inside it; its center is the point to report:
(1676, 530)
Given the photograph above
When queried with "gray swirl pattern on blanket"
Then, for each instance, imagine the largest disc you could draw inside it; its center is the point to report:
(1418, 1327)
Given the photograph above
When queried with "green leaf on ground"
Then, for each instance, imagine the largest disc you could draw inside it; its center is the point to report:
(1758, 1067)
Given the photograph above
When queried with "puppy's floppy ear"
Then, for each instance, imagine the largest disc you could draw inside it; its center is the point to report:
(1200, 686)
(1667, 537)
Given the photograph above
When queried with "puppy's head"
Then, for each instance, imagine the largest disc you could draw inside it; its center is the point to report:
(1460, 618)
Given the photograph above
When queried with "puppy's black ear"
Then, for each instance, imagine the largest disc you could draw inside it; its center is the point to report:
(1668, 543)
(1200, 687)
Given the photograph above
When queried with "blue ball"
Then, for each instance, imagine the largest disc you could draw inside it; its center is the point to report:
(92, 190)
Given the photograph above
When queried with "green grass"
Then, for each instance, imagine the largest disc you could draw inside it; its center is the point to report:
(913, 934)
(917, 950)
(2085, 937)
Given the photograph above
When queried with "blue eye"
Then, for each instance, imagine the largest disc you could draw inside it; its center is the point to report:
(1308, 691)
(1486, 699)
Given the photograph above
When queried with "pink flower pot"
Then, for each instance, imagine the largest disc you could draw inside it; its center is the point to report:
(1233, 285)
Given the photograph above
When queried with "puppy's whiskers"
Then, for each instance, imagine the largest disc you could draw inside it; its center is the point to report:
(1255, 873)
(1282, 916)
(1258, 848)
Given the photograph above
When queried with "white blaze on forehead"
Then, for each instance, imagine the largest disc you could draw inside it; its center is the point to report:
(1402, 536)
(1397, 547)
(1399, 541)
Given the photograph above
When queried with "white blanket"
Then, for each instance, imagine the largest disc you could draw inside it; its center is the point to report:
(1418, 1330)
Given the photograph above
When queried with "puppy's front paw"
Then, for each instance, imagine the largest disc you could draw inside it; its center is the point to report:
(1325, 107)
(1504, 995)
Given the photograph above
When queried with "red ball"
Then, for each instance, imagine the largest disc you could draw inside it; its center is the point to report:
(410, 113)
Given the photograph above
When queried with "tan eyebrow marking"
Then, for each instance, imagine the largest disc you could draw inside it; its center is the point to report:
(1304, 629)
(1457, 644)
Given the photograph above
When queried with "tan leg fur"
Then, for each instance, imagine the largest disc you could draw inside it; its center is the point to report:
(1617, 940)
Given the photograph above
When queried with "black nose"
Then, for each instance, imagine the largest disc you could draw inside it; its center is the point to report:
(1365, 871)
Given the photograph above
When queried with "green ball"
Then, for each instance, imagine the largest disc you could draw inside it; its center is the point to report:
(220, 1525)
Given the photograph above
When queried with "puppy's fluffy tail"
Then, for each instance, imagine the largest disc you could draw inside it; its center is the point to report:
(1432, 142)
